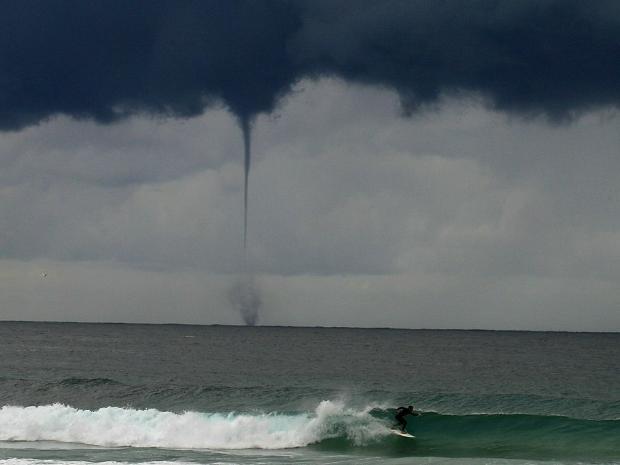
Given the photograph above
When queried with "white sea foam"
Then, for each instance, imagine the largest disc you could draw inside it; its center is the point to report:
(16, 461)
(121, 427)
(343, 460)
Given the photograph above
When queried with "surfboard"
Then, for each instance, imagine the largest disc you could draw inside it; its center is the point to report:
(400, 433)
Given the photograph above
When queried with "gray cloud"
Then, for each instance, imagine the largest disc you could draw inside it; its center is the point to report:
(461, 217)
(136, 152)
(337, 191)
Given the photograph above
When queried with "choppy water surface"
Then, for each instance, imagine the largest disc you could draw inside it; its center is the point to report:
(163, 394)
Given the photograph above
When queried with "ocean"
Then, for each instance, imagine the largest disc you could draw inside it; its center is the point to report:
(117, 394)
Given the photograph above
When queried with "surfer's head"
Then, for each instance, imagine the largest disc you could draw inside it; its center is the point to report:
(410, 408)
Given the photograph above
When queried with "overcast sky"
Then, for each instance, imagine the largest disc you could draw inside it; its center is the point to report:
(385, 190)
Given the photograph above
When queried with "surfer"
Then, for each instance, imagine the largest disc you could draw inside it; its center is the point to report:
(401, 413)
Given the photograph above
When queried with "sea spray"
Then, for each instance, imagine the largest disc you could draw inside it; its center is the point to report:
(122, 427)
(244, 295)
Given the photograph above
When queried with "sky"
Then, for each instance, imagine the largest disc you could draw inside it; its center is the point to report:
(413, 165)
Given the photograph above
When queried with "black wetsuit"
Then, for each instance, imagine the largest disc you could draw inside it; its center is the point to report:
(401, 413)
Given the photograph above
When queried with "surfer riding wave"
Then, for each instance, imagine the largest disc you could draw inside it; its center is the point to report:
(401, 413)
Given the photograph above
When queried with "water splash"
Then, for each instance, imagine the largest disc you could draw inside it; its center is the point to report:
(127, 427)
(245, 296)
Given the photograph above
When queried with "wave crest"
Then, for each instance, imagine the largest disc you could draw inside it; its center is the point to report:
(124, 427)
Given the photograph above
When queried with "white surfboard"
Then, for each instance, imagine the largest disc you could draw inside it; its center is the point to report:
(400, 433)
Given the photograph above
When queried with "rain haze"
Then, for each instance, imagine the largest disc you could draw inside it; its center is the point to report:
(406, 164)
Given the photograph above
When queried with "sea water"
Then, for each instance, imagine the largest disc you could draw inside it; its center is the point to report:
(115, 394)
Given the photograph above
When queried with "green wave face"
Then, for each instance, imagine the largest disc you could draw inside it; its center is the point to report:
(498, 436)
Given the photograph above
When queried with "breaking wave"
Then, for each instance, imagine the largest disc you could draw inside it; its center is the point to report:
(331, 426)
(123, 427)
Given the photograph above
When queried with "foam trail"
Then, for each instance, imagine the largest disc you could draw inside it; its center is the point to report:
(356, 460)
(122, 427)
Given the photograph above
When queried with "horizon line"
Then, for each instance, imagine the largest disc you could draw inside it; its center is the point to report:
(391, 328)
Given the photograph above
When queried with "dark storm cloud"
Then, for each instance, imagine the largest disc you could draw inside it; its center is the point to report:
(543, 56)
(109, 59)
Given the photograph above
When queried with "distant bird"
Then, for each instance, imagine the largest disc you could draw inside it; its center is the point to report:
(43, 275)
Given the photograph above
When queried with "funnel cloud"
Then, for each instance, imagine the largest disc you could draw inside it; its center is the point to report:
(246, 128)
